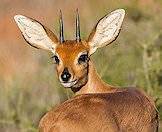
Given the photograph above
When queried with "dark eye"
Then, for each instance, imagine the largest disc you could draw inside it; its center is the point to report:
(56, 59)
(83, 58)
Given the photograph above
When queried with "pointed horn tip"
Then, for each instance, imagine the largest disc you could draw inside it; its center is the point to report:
(78, 39)
(60, 14)
(77, 12)
(61, 28)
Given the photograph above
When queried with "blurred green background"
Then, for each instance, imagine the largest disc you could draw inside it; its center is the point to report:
(28, 82)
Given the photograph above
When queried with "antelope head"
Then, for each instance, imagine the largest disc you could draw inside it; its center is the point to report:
(71, 57)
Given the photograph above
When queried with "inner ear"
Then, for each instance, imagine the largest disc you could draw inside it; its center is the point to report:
(36, 34)
(106, 30)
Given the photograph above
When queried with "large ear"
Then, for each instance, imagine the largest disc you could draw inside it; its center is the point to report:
(106, 30)
(36, 34)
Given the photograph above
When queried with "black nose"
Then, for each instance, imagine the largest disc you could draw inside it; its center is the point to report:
(65, 76)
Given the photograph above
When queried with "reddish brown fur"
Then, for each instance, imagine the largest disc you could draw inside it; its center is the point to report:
(69, 51)
(124, 110)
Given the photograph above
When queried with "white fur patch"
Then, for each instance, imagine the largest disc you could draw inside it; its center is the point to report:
(69, 84)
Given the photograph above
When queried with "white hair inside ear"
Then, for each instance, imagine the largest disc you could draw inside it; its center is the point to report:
(34, 33)
(107, 30)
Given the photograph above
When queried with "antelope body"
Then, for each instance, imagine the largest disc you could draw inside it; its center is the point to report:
(96, 106)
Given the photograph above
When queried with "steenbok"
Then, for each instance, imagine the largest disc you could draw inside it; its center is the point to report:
(97, 106)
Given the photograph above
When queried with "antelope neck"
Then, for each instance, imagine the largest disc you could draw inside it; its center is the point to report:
(94, 84)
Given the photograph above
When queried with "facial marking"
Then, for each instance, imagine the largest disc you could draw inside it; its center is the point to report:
(57, 60)
(69, 53)
(81, 57)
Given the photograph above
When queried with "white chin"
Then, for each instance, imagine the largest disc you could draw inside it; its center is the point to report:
(68, 84)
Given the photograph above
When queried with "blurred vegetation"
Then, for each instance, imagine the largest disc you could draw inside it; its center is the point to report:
(28, 83)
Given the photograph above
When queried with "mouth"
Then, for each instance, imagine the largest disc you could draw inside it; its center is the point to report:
(69, 84)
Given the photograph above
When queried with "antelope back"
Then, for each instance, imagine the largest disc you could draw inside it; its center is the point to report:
(127, 110)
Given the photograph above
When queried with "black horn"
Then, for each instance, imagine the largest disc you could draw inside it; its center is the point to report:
(78, 39)
(61, 28)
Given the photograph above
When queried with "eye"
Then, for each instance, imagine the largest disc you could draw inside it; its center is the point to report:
(83, 58)
(56, 59)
